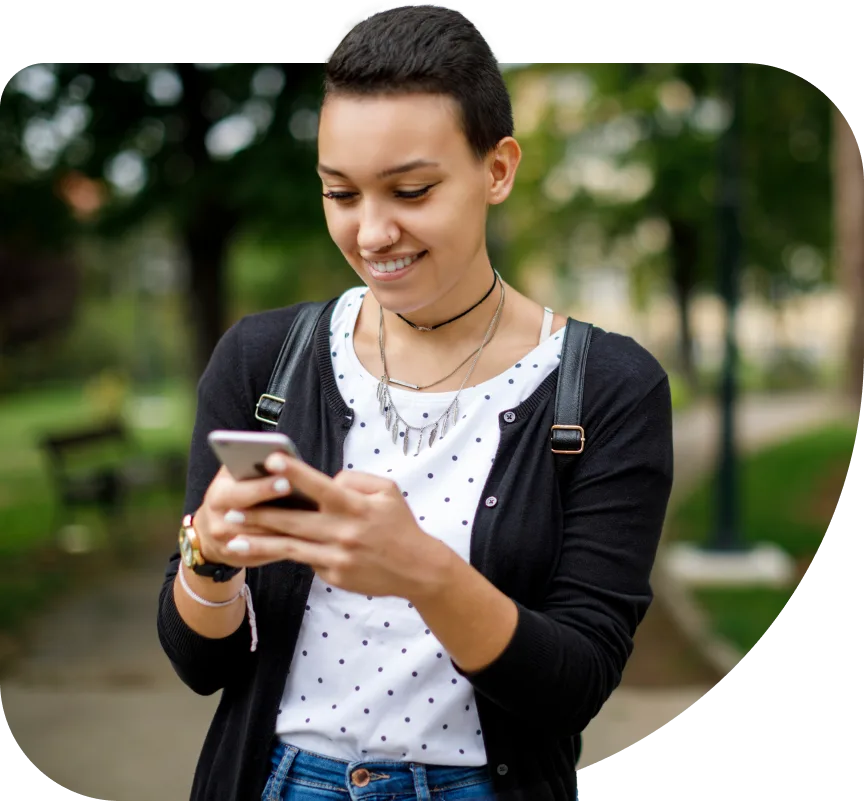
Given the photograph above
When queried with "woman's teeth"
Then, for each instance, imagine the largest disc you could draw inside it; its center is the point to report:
(392, 266)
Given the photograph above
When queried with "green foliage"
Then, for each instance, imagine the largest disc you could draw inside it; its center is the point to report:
(788, 492)
(264, 275)
(668, 118)
(213, 149)
(679, 391)
(743, 614)
(26, 417)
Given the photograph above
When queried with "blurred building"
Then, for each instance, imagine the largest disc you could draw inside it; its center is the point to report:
(812, 327)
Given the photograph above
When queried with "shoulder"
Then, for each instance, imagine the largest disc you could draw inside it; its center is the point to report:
(246, 354)
(257, 338)
(620, 362)
(620, 374)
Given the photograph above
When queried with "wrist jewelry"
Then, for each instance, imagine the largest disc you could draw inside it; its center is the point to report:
(246, 592)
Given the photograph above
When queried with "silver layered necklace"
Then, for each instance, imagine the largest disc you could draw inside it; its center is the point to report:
(395, 423)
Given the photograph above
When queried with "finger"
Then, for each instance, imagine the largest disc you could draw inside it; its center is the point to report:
(229, 493)
(213, 543)
(307, 525)
(329, 493)
(263, 549)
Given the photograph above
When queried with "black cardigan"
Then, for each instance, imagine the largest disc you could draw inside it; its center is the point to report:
(574, 551)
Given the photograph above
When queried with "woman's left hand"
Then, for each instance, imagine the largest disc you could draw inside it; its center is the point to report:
(362, 539)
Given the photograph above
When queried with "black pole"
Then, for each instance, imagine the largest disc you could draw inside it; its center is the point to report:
(726, 536)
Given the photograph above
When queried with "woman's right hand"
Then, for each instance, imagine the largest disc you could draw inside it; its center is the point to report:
(228, 495)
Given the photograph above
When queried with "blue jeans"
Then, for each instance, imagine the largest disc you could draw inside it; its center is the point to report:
(298, 775)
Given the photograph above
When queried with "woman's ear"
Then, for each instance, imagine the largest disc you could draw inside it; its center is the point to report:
(502, 163)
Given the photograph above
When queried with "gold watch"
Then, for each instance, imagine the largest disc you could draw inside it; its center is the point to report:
(191, 555)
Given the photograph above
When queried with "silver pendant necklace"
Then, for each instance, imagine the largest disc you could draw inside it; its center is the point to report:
(437, 429)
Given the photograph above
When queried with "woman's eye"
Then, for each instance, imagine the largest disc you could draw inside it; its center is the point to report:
(415, 193)
(344, 197)
(339, 195)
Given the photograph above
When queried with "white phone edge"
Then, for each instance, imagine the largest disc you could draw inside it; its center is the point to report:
(261, 442)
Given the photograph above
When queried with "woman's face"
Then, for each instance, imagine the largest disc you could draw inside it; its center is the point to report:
(401, 182)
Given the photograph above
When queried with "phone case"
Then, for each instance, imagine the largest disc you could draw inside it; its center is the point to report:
(244, 453)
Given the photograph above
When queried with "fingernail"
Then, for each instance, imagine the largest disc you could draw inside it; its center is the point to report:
(238, 545)
(235, 516)
(281, 485)
(276, 463)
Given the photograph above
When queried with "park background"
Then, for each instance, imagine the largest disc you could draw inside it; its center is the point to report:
(144, 208)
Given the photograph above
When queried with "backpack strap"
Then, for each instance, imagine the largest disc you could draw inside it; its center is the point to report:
(568, 436)
(295, 349)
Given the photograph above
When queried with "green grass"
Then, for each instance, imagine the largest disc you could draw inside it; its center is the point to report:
(743, 614)
(788, 492)
(34, 570)
(788, 496)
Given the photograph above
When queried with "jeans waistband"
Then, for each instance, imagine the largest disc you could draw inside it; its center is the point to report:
(368, 777)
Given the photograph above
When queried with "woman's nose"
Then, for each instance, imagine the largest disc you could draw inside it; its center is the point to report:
(374, 243)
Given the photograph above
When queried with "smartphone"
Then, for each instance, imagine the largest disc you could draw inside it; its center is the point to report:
(244, 454)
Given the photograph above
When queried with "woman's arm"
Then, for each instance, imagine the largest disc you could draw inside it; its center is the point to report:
(567, 657)
(209, 647)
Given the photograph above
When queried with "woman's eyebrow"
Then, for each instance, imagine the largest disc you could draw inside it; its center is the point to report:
(411, 165)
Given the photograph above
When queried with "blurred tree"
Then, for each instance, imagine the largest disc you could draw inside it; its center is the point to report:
(849, 221)
(629, 150)
(38, 279)
(214, 148)
(38, 295)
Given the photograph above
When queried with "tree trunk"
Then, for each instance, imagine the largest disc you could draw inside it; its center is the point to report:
(849, 236)
(207, 231)
(684, 256)
(206, 240)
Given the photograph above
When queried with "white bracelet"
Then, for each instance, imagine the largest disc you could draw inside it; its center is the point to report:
(215, 604)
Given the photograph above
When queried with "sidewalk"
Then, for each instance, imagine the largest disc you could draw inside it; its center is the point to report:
(97, 707)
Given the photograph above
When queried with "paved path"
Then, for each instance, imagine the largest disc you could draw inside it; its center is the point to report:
(96, 706)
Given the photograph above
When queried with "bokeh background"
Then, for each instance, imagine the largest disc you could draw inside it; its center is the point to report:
(713, 212)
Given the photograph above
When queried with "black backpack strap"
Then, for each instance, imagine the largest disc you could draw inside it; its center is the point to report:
(568, 436)
(295, 349)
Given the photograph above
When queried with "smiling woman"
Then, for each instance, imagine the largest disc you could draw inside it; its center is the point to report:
(456, 610)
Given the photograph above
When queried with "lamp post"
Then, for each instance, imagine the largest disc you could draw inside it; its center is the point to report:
(725, 534)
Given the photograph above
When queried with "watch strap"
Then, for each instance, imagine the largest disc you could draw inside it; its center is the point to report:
(213, 570)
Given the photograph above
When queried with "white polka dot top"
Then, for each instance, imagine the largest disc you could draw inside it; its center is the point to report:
(368, 679)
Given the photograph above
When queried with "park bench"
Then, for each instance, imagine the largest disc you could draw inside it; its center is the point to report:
(101, 467)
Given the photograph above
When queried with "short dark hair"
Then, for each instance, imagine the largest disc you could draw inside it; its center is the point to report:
(426, 49)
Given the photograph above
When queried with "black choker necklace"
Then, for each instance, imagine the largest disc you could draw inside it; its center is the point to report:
(424, 328)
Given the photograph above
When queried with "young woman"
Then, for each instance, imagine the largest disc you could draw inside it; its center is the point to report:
(456, 611)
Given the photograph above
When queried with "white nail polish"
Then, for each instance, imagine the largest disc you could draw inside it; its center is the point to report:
(278, 463)
(281, 485)
(235, 516)
(238, 545)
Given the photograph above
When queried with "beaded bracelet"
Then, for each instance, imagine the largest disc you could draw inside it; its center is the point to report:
(246, 592)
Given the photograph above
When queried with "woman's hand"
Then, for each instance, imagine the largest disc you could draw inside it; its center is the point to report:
(362, 539)
(220, 518)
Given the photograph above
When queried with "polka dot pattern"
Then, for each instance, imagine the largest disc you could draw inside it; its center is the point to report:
(368, 677)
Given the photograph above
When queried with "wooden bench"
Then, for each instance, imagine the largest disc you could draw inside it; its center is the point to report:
(101, 467)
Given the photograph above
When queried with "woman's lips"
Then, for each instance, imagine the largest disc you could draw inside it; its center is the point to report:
(379, 275)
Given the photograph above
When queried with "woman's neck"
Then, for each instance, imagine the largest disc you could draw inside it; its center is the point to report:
(467, 330)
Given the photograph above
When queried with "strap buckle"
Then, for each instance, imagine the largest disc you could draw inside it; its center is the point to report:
(581, 439)
(280, 401)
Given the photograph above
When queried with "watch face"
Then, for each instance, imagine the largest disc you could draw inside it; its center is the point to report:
(186, 550)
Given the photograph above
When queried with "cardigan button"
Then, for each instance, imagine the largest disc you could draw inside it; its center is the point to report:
(509, 416)
(502, 770)
(491, 501)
